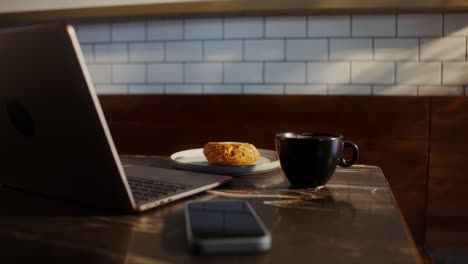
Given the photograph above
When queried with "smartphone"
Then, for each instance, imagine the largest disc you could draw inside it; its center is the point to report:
(224, 226)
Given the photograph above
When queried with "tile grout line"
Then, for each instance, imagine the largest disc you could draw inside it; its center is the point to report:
(263, 27)
(146, 30)
(263, 72)
(111, 26)
(165, 51)
(183, 28)
(127, 46)
(243, 51)
(146, 73)
(284, 49)
(373, 48)
(396, 25)
(203, 59)
(223, 37)
(269, 38)
(146, 63)
(419, 49)
(222, 72)
(350, 72)
(443, 24)
(93, 52)
(441, 73)
(306, 72)
(183, 72)
(274, 61)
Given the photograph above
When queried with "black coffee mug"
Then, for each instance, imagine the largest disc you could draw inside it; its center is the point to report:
(310, 159)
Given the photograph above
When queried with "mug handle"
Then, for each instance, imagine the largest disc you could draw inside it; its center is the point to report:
(350, 162)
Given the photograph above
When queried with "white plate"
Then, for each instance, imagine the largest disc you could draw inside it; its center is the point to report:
(194, 160)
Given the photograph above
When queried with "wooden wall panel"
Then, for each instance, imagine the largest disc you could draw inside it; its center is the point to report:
(392, 132)
(447, 214)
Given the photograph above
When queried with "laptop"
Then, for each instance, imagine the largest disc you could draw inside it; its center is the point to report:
(55, 139)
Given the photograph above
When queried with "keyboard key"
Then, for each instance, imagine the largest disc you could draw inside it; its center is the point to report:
(144, 189)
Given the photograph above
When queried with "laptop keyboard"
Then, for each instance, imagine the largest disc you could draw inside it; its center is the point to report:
(145, 190)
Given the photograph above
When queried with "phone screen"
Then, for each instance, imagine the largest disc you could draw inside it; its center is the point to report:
(223, 219)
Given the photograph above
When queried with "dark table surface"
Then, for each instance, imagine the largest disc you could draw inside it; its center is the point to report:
(353, 220)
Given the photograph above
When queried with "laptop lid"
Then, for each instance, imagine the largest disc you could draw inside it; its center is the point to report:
(55, 139)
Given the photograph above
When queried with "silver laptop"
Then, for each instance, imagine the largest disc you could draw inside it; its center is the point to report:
(55, 139)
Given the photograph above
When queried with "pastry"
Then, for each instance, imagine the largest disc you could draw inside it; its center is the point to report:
(230, 153)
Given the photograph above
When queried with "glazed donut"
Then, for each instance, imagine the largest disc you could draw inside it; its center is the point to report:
(230, 153)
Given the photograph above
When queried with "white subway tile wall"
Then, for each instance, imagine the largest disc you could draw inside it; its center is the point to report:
(263, 89)
(438, 90)
(299, 89)
(373, 25)
(396, 49)
(285, 72)
(329, 26)
(209, 28)
(111, 89)
(184, 51)
(419, 73)
(248, 72)
(110, 53)
(128, 73)
(88, 52)
(128, 31)
(165, 30)
(419, 25)
(205, 72)
(306, 49)
(184, 89)
(455, 24)
(351, 49)
(223, 50)
(328, 72)
(443, 49)
(222, 89)
(94, 33)
(395, 90)
(455, 73)
(100, 73)
(281, 27)
(247, 27)
(145, 89)
(165, 73)
(372, 72)
(146, 52)
(263, 50)
(359, 54)
(349, 90)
